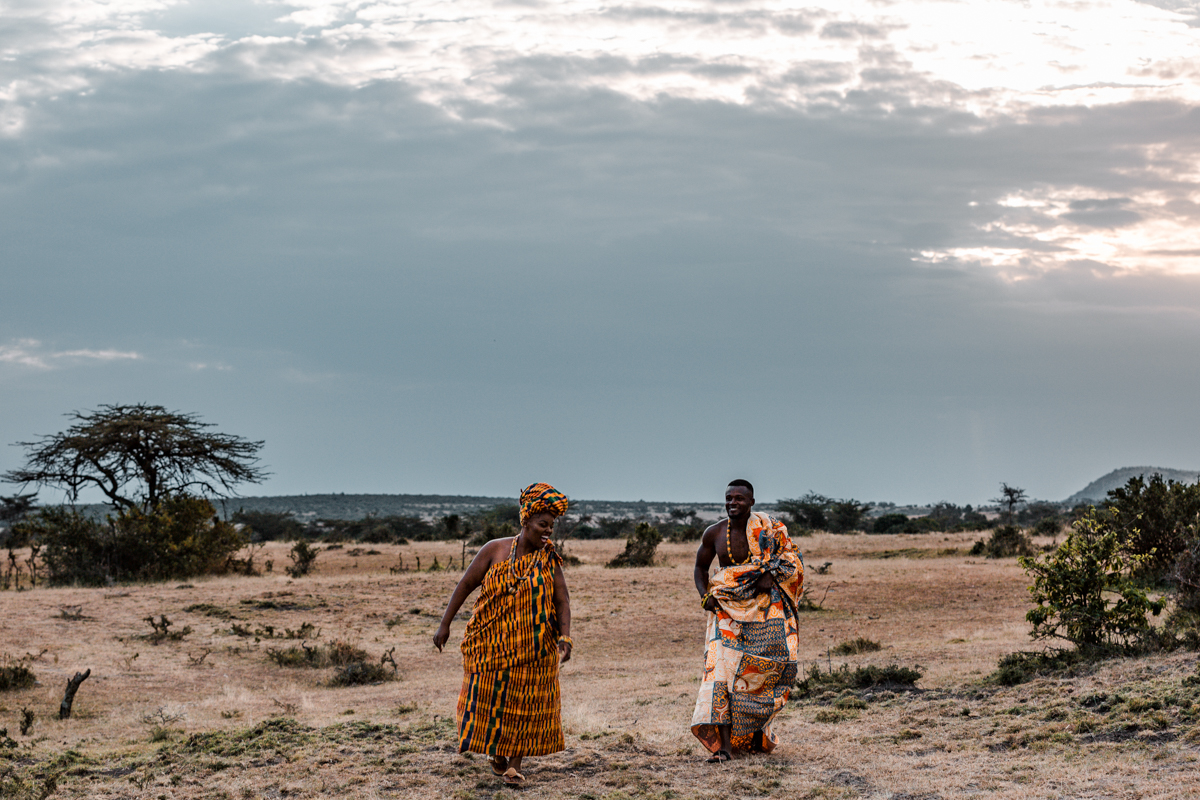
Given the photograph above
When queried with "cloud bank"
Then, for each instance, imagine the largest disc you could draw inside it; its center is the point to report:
(919, 247)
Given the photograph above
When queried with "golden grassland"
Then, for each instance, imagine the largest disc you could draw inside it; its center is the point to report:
(213, 716)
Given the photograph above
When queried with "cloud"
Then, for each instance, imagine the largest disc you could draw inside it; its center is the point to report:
(910, 255)
(32, 353)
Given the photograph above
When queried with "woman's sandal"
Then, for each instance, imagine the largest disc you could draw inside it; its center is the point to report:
(498, 764)
(720, 756)
(513, 778)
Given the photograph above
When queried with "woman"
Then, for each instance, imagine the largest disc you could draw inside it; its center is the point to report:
(518, 634)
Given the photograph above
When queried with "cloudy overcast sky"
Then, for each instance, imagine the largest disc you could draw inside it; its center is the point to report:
(891, 250)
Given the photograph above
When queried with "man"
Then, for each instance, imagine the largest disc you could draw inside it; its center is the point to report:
(752, 641)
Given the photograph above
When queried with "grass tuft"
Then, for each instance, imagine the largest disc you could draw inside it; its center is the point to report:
(855, 646)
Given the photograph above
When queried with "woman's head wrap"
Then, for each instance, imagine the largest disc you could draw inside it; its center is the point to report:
(539, 497)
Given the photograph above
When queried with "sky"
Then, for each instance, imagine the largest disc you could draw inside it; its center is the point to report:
(895, 251)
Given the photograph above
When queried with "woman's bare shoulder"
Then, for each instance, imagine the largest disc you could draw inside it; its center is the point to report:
(496, 550)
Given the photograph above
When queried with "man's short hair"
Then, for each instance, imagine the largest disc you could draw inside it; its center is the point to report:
(740, 482)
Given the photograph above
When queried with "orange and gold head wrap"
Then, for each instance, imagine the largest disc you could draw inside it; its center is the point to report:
(539, 497)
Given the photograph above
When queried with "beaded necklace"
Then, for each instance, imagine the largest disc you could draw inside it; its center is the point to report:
(512, 573)
(729, 550)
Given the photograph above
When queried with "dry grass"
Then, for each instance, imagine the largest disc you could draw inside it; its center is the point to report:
(151, 722)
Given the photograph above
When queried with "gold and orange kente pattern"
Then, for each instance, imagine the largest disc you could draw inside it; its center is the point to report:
(752, 643)
(509, 703)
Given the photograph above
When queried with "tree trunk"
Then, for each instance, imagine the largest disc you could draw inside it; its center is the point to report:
(64, 708)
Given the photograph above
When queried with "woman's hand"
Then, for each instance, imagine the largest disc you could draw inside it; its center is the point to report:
(711, 604)
(443, 633)
(564, 651)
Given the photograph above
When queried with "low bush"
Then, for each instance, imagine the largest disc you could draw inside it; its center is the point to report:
(334, 654)
(304, 559)
(1005, 542)
(855, 646)
(180, 538)
(357, 673)
(891, 676)
(1017, 668)
(15, 674)
(269, 526)
(889, 523)
(640, 548)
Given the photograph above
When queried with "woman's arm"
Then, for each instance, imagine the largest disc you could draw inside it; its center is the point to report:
(562, 609)
(471, 580)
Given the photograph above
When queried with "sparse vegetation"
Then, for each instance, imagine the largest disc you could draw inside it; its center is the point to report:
(251, 724)
(816, 512)
(179, 538)
(892, 676)
(1085, 592)
(855, 646)
(335, 654)
(15, 674)
(1006, 541)
(161, 630)
(361, 672)
(304, 558)
(640, 548)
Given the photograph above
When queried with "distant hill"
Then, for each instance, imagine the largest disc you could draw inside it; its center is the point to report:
(1098, 489)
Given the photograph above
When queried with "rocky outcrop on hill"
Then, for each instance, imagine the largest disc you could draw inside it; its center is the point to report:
(1098, 489)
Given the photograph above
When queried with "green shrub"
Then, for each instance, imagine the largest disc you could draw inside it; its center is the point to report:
(1186, 577)
(889, 523)
(180, 538)
(1158, 519)
(640, 548)
(1085, 593)
(1048, 526)
(304, 558)
(491, 531)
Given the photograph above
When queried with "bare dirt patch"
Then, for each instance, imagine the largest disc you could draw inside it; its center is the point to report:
(157, 720)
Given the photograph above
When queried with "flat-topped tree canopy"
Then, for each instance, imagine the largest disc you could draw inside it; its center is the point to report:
(138, 455)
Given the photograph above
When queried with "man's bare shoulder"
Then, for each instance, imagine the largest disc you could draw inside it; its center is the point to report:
(711, 532)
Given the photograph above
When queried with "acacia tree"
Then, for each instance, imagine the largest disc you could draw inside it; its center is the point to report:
(138, 456)
(1012, 497)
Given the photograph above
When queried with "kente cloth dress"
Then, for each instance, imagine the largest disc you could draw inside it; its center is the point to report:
(509, 703)
(752, 641)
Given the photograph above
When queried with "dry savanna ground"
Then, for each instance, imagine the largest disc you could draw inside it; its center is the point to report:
(211, 715)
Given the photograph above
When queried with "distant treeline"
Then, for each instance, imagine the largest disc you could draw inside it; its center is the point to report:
(680, 524)
(804, 515)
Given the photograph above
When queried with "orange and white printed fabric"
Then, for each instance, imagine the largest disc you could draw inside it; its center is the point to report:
(509, 704)
(753, 641)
